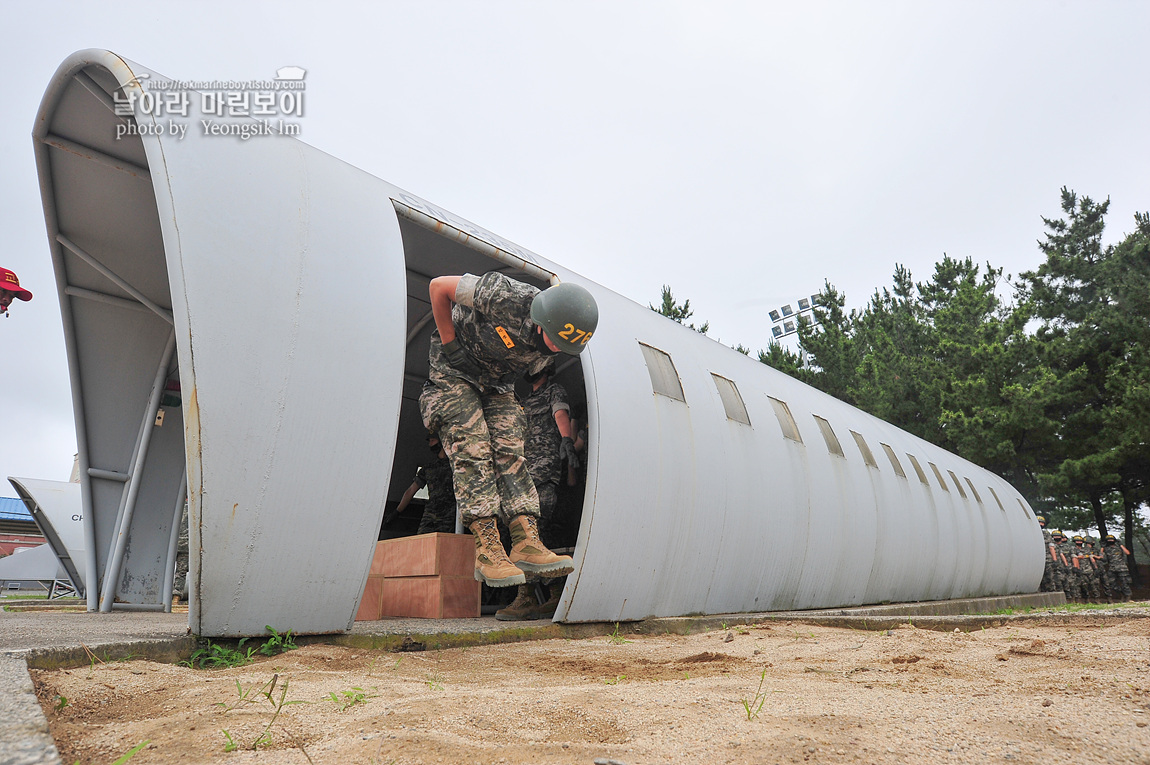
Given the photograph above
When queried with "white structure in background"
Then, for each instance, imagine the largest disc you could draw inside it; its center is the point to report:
(280, 296)
(30, 564)
(57, 509)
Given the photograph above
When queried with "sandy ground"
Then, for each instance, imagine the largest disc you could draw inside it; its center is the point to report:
(1028, 693)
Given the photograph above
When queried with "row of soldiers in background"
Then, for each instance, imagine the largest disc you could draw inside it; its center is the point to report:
(1083, 569)
(550, 450)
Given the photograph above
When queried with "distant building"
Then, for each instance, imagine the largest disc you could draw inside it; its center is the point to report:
(17, 529)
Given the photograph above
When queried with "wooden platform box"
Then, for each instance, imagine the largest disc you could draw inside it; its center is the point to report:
(430, 576)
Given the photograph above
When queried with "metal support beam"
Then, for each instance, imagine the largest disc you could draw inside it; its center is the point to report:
(75, 249)
(48, 195)
(173, 543)
(94, 88)
(116, 560)
(107, 160)
(103, 297)
(108, 475)
(138, 607)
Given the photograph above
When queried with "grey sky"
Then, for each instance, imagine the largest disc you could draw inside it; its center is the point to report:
(741, 152)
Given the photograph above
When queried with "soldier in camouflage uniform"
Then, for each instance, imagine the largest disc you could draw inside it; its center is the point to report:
(1117, 571)
(1047, 584)
(180, 583)
(1087, 569)
(439, 512)
(550, 442)
(491, 330)
(1061, 562)
(1072, 584)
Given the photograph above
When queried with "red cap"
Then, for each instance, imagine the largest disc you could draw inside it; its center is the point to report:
(9, 281)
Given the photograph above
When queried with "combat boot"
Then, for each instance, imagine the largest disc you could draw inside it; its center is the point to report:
(546, 609)
(529, 553)
(492, 565)
(522, 608)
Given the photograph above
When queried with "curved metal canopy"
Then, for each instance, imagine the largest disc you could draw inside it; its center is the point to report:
(246, 322)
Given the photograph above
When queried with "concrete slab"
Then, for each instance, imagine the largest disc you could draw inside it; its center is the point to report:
(24, 737)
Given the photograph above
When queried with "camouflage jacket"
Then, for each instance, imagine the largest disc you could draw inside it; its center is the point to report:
(492, 319)
(541, 449)
(440, 485)
(1115, 558)
(1067, 551)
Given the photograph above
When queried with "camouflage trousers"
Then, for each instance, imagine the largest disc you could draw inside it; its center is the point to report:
(1118, 584)
(482, 434)
(1091, 583)
(548, 500)
(1048, 582)
(1073, 583)
(180, 582)
(438, 518)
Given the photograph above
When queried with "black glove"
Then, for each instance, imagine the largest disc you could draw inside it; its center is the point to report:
(567, 452)
(458, 358)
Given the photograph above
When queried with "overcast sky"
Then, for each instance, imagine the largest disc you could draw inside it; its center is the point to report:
(741, 152)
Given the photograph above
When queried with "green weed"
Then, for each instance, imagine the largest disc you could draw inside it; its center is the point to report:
(254, 694)
(349, 698)
(434, 682)
(265, 737)
(216, 656)
(755, 704)
(61, 702)
(132, 752)
(277, 643)
(618, 679)
(615, 638)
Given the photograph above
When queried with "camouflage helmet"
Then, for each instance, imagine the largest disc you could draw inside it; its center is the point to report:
(1078, 538)
(1041, 520)
(1056, 533)
(1111, 538)
(568, 315)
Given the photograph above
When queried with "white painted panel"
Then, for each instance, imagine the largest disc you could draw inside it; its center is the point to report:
(57, 507)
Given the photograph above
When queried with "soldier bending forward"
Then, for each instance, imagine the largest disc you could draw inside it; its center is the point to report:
(491, 330)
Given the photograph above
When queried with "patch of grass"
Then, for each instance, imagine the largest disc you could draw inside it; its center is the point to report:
(615, 638)
(277, 643)
(1066, 608)
(754, 705)
(618, 679)
(434, 682)
(349, 698)
(217, 656)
